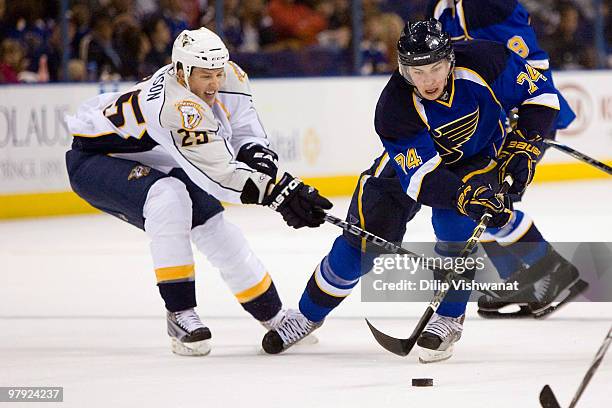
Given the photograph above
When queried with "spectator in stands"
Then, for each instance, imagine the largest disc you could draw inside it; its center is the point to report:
(296, 22)
(12, 61)
(161, 44)
(56, 49)
(338, 32)
(30, 29)
(97, 50)
(120, 7)
(80, 16)
(133, 45)
(172, 13)
(247, 27)
(3, 21)
(607, 18)
(568, 49)
(232, 26)
(256, 24)
(77, 72)
(379, 44)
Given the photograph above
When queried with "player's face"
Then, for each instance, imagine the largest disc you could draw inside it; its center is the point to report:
(430, 79)
(205, 83)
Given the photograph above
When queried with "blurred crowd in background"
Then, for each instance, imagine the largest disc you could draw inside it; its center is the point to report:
(130, 39)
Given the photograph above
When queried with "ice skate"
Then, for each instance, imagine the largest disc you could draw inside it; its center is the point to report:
(189, 336)
(437, 340)
(292, 328)
(274, 322)
(512, 303)
(561, 283)
(551, 279)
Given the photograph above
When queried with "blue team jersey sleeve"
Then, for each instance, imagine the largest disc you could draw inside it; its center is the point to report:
(503, 21)
(520, 85)
(413, 158)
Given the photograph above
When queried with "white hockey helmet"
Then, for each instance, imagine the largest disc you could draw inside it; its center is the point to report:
(198, 48)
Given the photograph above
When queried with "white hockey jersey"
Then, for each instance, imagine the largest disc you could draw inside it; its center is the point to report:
(161, 124)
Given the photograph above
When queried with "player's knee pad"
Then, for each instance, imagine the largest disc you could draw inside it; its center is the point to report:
(450, 226)
(228, 250)
(167, 213)
(344, 263)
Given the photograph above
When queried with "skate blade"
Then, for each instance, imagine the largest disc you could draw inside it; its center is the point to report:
(309, 340)
(427, 356)
(506, 312)
(195, 349)
(570, 293)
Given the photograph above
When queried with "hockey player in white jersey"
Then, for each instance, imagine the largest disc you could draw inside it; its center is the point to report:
(162, 156)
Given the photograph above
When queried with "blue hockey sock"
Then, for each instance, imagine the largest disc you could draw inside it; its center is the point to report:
(522, 238)
(332, 280)
(503, 259)
(455, 301)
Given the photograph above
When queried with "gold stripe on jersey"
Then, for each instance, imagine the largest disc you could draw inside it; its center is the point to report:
(362, 182)
(175, 273)
(104, 134)
(240, 74)
(224, 108)
(255, 291)
(95, 134)
(485, 169)
(452, 95)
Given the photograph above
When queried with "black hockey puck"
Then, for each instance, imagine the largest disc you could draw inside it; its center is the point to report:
(422, 382)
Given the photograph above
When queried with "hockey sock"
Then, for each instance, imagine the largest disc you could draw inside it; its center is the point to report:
(504, 260)
(264, 306)
(332, 281)
(178, 296)
(522, 238)
(455, 301)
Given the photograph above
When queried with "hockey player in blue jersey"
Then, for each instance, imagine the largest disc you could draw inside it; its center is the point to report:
(441, 120)
(506, 22)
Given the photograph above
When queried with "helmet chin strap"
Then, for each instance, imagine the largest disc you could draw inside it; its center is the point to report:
(186, 75)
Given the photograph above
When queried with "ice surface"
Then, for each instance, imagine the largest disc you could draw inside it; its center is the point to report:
(79, 309)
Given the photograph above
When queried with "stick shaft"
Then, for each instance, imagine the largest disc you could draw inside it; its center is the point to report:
(594, 365)
(580, 156)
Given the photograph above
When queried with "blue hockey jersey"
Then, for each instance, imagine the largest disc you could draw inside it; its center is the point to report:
(503, 21)
(424, 137)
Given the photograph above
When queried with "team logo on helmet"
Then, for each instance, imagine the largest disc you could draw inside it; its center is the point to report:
(191, 114)
(186, 40)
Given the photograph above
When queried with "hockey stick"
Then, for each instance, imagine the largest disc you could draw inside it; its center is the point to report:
(402, 347)
(580, 156)
(547, 397)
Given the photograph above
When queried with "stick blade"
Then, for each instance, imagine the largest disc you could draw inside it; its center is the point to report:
(548, 399)
(400, 347)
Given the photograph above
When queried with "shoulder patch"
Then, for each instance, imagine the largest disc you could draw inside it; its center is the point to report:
(191, 114)
(240, 74)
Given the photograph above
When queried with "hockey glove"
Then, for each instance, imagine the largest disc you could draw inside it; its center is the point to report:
(260, 158)
(299, 204)
(474, 199)
(518, 157)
